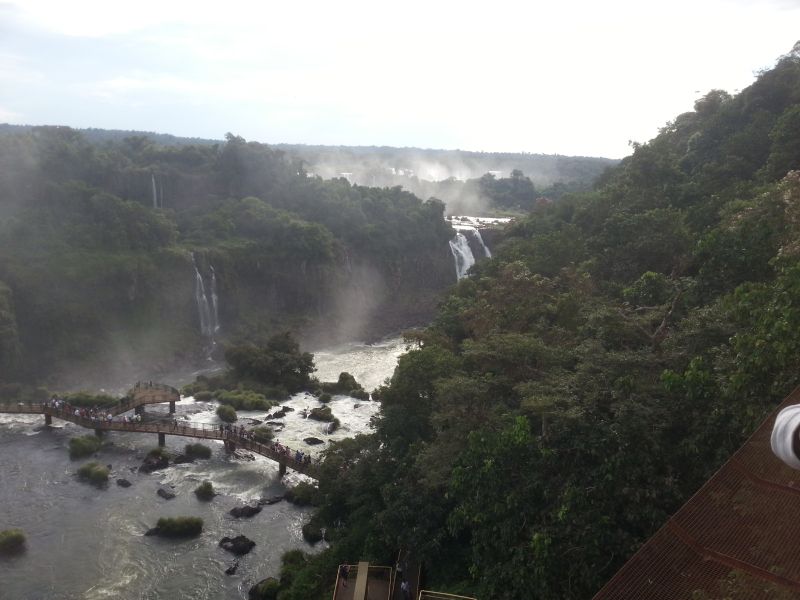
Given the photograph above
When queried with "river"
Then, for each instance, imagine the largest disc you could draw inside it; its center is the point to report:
(87, 543)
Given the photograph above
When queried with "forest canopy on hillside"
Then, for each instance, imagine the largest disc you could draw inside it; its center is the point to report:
(579, 387)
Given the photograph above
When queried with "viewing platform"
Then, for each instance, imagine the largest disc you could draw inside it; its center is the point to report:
(371, 582)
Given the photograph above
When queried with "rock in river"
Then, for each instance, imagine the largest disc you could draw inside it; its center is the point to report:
(238, 545)
(245, 511)
(165, 494)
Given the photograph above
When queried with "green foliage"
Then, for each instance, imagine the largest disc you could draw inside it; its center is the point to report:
(263, 435)
(205, 491)
(265, 590)
(278, 362)
(179, 526)
(87, 399)
(94, 473)
(312, 532)
(303, 494)
(158, 452)
(12, 541)
(346, 385)
(227, 413)
(85, 445)
(197, 451)
(245, 400)
(582, 385)
(322, 413)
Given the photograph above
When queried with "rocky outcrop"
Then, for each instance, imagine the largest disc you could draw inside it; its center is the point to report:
(270, 500)
(312, 441)
(154, 463)
(238, 545)
(165, 494)
(123, 483)
(245, 511)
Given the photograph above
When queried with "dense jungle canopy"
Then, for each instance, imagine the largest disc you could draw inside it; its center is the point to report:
(579, 387)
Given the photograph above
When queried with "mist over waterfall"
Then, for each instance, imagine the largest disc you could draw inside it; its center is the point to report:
(207, 310)
(462, 255)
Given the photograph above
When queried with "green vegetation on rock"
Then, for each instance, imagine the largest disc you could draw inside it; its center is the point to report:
(205, 491)
(12, 541)
(263, 435)
(94, 473)
(83, 446)
(197, 451)
(227, 413)
(179, 527)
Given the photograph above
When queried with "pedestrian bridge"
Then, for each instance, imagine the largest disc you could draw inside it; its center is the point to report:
(153, 393)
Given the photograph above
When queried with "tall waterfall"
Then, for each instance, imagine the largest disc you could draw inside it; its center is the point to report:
(209, 323)
(486, 252)
(461, 254)
(214, 309)
(155, 194)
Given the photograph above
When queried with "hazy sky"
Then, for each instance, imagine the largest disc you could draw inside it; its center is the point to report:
(568, 77)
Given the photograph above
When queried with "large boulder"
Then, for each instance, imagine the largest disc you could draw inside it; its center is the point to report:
(154, 462)
(270, 500)
(312, 441)
(245, 511)
(123, 483)
(239, 545)
(165, 494)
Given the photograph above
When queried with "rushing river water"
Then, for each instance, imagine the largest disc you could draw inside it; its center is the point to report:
(87, 543)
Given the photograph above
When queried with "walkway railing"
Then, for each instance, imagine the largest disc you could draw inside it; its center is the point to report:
(237, 436)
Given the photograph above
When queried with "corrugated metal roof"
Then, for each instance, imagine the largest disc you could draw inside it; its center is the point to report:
(737, 537)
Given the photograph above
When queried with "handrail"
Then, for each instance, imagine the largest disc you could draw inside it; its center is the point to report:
(430, 595)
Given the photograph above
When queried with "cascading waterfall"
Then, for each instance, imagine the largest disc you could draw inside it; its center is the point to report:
(215, 311)
(155, 195)
(486, 251)
(209, 323)
(462, 255)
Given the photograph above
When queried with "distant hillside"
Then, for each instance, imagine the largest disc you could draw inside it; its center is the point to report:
(456, 177)
(377, 165)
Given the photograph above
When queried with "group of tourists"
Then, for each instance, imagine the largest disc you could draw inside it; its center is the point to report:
(241, 432)
(95, 414)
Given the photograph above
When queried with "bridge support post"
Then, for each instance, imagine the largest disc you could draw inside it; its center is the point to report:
(48, 419)
(162, 438)
(172, 407)
(139, 410)
(281, 469)
(229, 446)
(98, 432)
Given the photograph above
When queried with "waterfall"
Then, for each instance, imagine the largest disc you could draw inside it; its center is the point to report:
(486, 251)
(155, 195)
(209, 323)
(462, 255)
(215, 312)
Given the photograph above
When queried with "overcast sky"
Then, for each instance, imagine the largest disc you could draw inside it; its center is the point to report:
(567, 77)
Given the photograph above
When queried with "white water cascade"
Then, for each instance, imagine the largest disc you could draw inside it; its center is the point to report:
(155, 195)
(462, 255)
(486, 252)
(209, 323)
